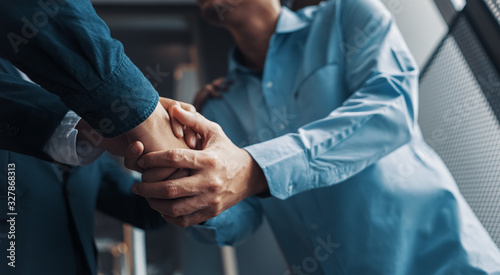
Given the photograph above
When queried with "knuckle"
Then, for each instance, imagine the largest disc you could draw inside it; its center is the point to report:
(216, 127)
(214, 185)
(198, 116)
(170, 191)
(175, 212)
(190, 107)
(215, 204)
(173, 155)
(213, 162)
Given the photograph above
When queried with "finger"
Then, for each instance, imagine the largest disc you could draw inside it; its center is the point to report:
(166, 103)
(158, 174)
(175, 158)
(177, 127)
(218, 82)
(195, 121)
(180, 173)
(132, 155)
(215, 93)
(226, 85)
(169, 189)
(190, 137)
(199, 100)
(188, 107)
(187, 220)
(176, 207)
(199, 142)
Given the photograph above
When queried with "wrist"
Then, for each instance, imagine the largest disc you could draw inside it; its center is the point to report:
(257, 182)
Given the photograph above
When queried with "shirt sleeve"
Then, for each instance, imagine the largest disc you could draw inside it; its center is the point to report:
(232, 226)
(67, 49)
(375, 120)
(62, 148)
(28, 115)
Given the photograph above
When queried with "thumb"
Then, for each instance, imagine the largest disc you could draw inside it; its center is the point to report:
(193, 120)
(134, 152)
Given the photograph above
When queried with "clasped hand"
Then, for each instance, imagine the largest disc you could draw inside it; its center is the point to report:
(208, 180)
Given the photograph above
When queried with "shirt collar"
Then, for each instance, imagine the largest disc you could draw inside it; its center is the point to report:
(288, 22)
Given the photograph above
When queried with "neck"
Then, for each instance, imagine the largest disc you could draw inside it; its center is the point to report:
(252, 37)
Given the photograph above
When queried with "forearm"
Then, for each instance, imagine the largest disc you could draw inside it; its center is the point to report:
(156, 133)
(81, 62)
(328, 151)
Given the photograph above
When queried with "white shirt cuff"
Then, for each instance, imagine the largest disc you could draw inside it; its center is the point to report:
(62, 148)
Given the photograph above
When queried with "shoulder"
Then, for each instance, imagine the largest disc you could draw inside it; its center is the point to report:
(349, 11)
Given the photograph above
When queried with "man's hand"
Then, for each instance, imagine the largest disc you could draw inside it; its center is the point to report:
(221, 175)
(158, 121)
(210, 90)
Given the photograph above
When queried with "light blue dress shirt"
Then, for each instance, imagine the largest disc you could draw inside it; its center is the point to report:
(332, 121)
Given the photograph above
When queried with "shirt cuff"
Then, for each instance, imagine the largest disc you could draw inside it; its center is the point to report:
(61, 146)
(119, 104)
(284, 164)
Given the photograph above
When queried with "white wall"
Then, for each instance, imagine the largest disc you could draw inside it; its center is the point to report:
(421, 25)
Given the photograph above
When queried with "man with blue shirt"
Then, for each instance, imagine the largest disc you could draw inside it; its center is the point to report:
(324, 105)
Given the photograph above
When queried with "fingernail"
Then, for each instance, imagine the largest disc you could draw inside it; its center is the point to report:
(192, 141)
(141, 163)
(135, 149)
(134, 189)
(180, 133)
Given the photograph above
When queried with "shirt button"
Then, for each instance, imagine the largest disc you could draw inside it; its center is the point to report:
(269, 84)
(282, 126)
(13, 131)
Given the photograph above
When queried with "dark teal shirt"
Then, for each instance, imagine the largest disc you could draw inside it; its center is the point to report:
(67, 49)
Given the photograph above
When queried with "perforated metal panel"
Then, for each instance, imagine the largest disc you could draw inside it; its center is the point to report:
(494, 6)
(459, 110)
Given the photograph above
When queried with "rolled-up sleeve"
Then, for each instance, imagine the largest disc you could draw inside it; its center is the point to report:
(66, 48)
(375, 120)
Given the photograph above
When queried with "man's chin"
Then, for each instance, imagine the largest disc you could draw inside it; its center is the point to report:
(212, 13)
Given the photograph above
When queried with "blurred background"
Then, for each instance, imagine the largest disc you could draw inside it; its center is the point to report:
(178, 52)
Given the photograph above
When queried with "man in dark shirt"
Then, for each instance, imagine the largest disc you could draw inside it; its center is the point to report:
(67, 49)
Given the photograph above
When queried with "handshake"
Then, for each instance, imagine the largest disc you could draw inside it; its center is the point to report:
(191, 171)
